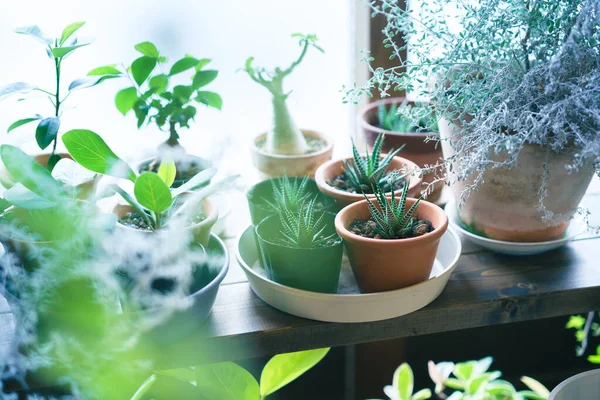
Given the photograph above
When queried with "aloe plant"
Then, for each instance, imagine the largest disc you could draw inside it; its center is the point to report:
(290, 193)
(303, 227)
(285, 138)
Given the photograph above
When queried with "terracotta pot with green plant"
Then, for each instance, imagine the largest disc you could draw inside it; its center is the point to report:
(347, 180)
(409, 125)
(391, 242)
(285, 149)
(48, 124)
(518, 105)
(155, 98)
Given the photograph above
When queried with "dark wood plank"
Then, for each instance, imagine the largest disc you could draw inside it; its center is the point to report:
(486, 289)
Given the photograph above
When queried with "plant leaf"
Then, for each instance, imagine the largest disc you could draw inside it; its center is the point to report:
(60, 52)
(422, 394)
(200, 179)
(90, 150)
(35, 32)
(17, 87)
(21, 122)
(148, 49)
(159, 83)
(69, 172)
(22, 197)
(52, 161)
(166, 172)
(89, 81)
(151, 192)
(404, 381)
(535, 386)
(69, 30)
(211, 99)
(126, 99)
(46, 131)
(284, 368)
(25, 170)
(105, 70)
(202, 63)
(203, 78)
(182, 374)
(226, 381)
(183, 65)
(141, 69)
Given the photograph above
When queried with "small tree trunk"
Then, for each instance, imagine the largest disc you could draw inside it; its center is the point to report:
(173, 136)
(285, 138)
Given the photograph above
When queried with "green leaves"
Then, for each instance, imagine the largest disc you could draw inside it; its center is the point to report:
(226, 381)
(105, 70)
(25, 170)
(22, 197)
(21, 122)
(166, 172)
(211, 99)
(69, 30)
(152, 192)
(203, 78)
(285, 368)
(89, 81)
(60, 52)
(12, 88)
(159, 83)
(90, 150)
(126, 99)
(142, 68)
(595, 358)
(403, 381)
(576, 322)
(183, 65)
(46, 131)
(147, 49)
(35, 32)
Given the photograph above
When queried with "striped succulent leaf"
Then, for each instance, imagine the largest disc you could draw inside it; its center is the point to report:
(303, 227)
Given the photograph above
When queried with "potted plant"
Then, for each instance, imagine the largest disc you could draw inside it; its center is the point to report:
(409, 125)
(155, 98)
(300, 248)
(48, 125)
(267, 197)
(348, 179)
(518, 106)
(154, 205)
(391, 242)
(285, 148)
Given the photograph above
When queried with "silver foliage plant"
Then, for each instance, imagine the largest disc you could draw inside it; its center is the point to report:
(516, 72)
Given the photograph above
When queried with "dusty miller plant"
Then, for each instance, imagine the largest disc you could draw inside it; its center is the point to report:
(516, 73)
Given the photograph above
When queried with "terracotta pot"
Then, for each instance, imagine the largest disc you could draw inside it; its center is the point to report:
(415, 148)
(200, 231)
(380, 265)
(333, 168)
(504, 207)
(274, 165)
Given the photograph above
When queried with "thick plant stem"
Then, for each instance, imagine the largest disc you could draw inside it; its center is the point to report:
(57, 100)
(173, 136)
(285, 138)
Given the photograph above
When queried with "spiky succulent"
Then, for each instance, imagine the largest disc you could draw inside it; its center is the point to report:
(304, 227)
(407, 117)
(288, 193)
(366, 172)
(392, 221)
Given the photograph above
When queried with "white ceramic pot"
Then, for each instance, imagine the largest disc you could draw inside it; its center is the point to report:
(584, 386)
(275, 165)
(505, 205)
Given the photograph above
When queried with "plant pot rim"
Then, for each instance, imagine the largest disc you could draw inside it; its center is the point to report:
(364, 121)
(414, 181)
(270, 217)
(212, 216)
(436, 234)
(222, 273)
(306, 132)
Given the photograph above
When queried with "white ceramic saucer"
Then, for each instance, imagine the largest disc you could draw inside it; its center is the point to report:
(576, 227)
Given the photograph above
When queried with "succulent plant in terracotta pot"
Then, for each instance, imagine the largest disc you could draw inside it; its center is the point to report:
(285, 149)
(347, 180)
(391, 242)
(518, 105)
(409, 125)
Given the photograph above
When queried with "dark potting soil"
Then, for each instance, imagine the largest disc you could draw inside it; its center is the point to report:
(133, 220)
(366, 229)
(343, 182)
(314, 144)
(191, 169)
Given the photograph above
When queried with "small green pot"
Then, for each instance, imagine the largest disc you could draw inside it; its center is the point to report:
(312, 269)
(260, 209)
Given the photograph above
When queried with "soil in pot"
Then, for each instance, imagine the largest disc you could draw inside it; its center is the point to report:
(342, 182)
(366, 228)
(186, 168)
(314, 144)
(315, 269)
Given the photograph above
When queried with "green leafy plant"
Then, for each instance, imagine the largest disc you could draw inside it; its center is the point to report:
(154, 97)
(585, 328)
(154, 201)
(285, 138)
(405, 117)
(303, 227)
(403, 386)
(57, 49)
(392, 220)
(364, 173)
(288, 193)
(229, 381)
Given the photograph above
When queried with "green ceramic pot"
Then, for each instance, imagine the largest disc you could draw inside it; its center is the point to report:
(312, 269)
(260, 209)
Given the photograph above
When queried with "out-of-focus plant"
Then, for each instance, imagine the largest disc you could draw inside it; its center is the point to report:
(229, 381)
(585, 328)
(57, 49)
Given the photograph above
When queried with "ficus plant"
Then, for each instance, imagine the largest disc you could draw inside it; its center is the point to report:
(153, 94)
(285, 138)
(57, 49)
(154, 200)
(229, 381)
